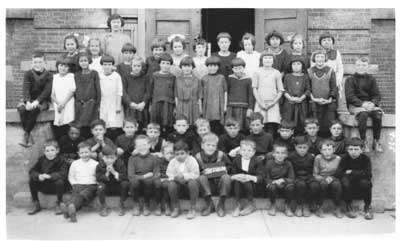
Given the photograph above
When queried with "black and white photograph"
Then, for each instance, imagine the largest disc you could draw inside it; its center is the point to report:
(199, 123)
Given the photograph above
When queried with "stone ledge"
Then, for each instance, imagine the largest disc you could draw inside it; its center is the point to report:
(12, 116)
(388, 120)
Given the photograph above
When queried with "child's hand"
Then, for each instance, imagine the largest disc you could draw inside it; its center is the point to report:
(140, 106)
(46, 176)
(120, 151)
(234, 152)
(348, 172)
(133, 105)
(35, 104)
(329, 179)
(41, 177)
(157, 154)
(28, 106)
(148, 175)
(60, 107)
(134, 152)
(118, 111)
(249, 112)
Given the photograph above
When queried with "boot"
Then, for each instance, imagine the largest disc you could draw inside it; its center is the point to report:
(146, 209)
(350, 211)
(36, 208)
(288, 210)
(368, 213)
(249, 209)
(167, 209)
(25, 140)
(192, 213)
(377, 146)
(64, 210)
(158, 212)
(366, 146)
(31, 142)
(208, 209)
(103, 210)
(236, 212)
(136, 209)
(221, 208)
(72, 213)
(319, 212)
(175, 211)
(306, 210)
(57, 210)
(338, 212)
(298, 212)
(272, 210)
(121, 211)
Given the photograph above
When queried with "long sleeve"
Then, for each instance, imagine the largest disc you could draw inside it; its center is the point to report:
(267, 174)
(61, 173)
(72, 174)
(148, 93)
(291, 175)
(121, 169)
(341, 170)
(250, 95)
(375, 94)
(101, 173)
(351, 97)
(171, 170)
(365, 171)
(98, 89)
(45, 94)
(26, 87)
(151, 87)
(307, 85)
(193, 171)
(125, 97)
(131, 169)
(316, 169)
(228, 163)
(339, 70)
(332, 86)
(35, 170)
(156, 168)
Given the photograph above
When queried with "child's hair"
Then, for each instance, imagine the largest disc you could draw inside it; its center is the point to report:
(107, 59)
(115, 16)
(158, 43)
(247, 142)
(51, 142)
(297, 58)
(326, 142)
(142, 137)
(310, 121)
(74, 125)
(248, 36)
(256, 116)
(71, 36)
(95, 39)
(279, 144)
(319, 51)
(202, 122)
(213, 60)
(210, 137)
(130, 120)
(355, 141)
(178, 39)
(83, 145)
(165, 145)
(326, 35)
(187, 61)
(108, 151)
(301, 140)
(224, 35)
(238, 62)
(181, 146)
(297, 36)
(97, 122)
(200, 41)
(154, 126)
(128, 47)
(266, 53)
(285, 124)
(274, 33)
(141, 61)
(181, 117)
(231, 122)
(38, 54)
(63, 61)
(362, 59)
(85, 54)
(166, 57)
(334, 122)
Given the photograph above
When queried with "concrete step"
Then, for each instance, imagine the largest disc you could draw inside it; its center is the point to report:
(23, 200)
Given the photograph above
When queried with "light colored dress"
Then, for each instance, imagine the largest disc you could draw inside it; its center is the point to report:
(268, 84)
(111, 89)
(252, 61)
(200, 69)
(113, 43)
(95, 65)
(62, 86)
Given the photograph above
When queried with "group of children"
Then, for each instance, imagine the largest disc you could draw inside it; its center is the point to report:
(269, 111)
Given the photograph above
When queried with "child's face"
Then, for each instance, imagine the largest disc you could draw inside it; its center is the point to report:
(142, 146)
(301, 149)
(279, 154)
(181, 126)
(70, 45)
(267, 61)
(209, 147)
(177, 47)
(256, 126)
(247, 151)
(84, 153)
(168, 153)
(94, 47)
(50, 152)
(275, 42)
(127, 56)
(212, 68)
(152, 133)
(63, 68)
(38, 64)
(130, 128)
(158, 51)
(285, 133)
(181, 155)
(203, 130)
(297, 66)
(200, 50)
(327, 43)
(74, 133)
(320, 59)
(232, 130)
(84, 62)
(187, 69)
(238, 71)
(361, 67)
(136, 67)
(311, 129)
(109, 159)
(98, 131)
(115, 24)
(165, 66)
(248, 46)
(107, 67)
(354, 151)
(297, 45)
(223, 44)
(327, 151)
(336, 130)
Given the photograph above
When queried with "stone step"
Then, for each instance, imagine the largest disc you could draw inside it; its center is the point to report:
(23, 200)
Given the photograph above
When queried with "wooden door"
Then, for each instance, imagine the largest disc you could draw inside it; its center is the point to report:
(285, 21)
(161, 23)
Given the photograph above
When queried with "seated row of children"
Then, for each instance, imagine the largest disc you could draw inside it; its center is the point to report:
(303, 169)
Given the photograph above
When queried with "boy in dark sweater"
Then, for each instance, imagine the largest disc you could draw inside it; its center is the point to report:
(69, 144)
(355, 173)
(262, 139)
(182, 132)
(338, 138)
(153, 131)
(286, 131)
(230, 141)
(143, 174)
(112, 180)
(126, 142)
(311, 127)
(307, 188)
(36, 90)
(214, 169)
(48, 175)
(363, 97)
(279, 177)
(98, 141)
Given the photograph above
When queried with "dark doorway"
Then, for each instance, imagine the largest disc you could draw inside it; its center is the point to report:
(235, 21)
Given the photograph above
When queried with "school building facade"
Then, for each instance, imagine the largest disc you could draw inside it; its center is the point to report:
(358, 32)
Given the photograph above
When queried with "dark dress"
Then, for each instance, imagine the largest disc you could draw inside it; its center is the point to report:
(87, 97)
(152, 65)
(225, 67)
(280, 60)
(124, 69)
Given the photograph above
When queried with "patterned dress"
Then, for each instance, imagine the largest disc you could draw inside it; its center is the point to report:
(188, 92)
(214, 87)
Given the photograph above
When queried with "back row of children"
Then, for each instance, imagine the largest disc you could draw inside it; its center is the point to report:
(223, 85)
(139, 167)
